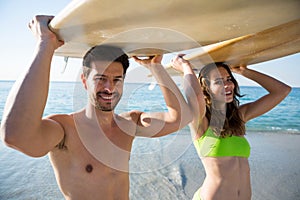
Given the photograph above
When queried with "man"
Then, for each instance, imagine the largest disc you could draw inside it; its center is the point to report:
(89, 149)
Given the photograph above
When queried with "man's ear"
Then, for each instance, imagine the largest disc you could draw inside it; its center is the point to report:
(84, 81)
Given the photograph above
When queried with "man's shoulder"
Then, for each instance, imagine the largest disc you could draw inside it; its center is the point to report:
(59, 116)
(66, 122)
(62, 119)
(133, 115)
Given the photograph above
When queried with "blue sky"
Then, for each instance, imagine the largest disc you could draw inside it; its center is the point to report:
(17, 45)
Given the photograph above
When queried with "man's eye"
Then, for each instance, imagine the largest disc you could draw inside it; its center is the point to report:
(118, 80)
(100, 79)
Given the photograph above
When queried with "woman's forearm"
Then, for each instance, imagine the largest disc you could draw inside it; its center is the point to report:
(271, 84)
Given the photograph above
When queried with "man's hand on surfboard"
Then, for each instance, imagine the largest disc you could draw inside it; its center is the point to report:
(150, 60)
(39, 27)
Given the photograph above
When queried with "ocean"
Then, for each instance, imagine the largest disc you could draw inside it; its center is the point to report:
(158, 167)
(65, 97)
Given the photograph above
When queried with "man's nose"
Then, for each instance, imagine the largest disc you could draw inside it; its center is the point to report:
(109, 85)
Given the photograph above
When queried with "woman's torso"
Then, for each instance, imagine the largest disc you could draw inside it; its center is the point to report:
(226, 178)
(225, 161)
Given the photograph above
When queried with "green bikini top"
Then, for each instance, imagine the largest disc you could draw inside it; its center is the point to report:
(210, 145)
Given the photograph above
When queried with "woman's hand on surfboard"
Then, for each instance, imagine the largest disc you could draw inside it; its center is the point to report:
(39, 27)
(148, 61)
(178, 63)
(239, 69)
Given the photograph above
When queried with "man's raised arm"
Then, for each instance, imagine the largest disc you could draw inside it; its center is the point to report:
(22, 125)
(178, 115)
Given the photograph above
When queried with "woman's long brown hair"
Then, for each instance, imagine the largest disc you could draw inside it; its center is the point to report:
(223, 125)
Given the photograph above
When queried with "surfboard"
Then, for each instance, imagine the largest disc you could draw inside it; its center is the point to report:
(276, 42)
(234, 31)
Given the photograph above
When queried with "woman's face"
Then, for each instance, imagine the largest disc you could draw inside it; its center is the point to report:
(221, 86)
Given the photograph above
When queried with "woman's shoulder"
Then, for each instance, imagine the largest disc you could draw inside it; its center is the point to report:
(200, 128)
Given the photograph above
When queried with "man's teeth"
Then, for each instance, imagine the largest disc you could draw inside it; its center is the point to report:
(229, 92)
(107, 97)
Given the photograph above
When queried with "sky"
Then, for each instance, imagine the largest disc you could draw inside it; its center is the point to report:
(18, 43)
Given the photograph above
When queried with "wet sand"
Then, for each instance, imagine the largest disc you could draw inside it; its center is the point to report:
(174, 172)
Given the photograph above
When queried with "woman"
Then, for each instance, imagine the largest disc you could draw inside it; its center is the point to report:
(218, 125)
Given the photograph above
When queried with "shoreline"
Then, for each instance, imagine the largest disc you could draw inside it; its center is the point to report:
(130, 82)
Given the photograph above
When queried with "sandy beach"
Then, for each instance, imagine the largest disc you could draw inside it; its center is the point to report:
(275, 166)
(274, 162)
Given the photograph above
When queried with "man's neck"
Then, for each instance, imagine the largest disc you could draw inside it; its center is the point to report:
(103, 117)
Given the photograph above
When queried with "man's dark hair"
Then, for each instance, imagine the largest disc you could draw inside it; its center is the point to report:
(104, 53)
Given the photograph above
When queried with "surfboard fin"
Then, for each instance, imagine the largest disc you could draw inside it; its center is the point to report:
(152, 85)
(66, 58)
